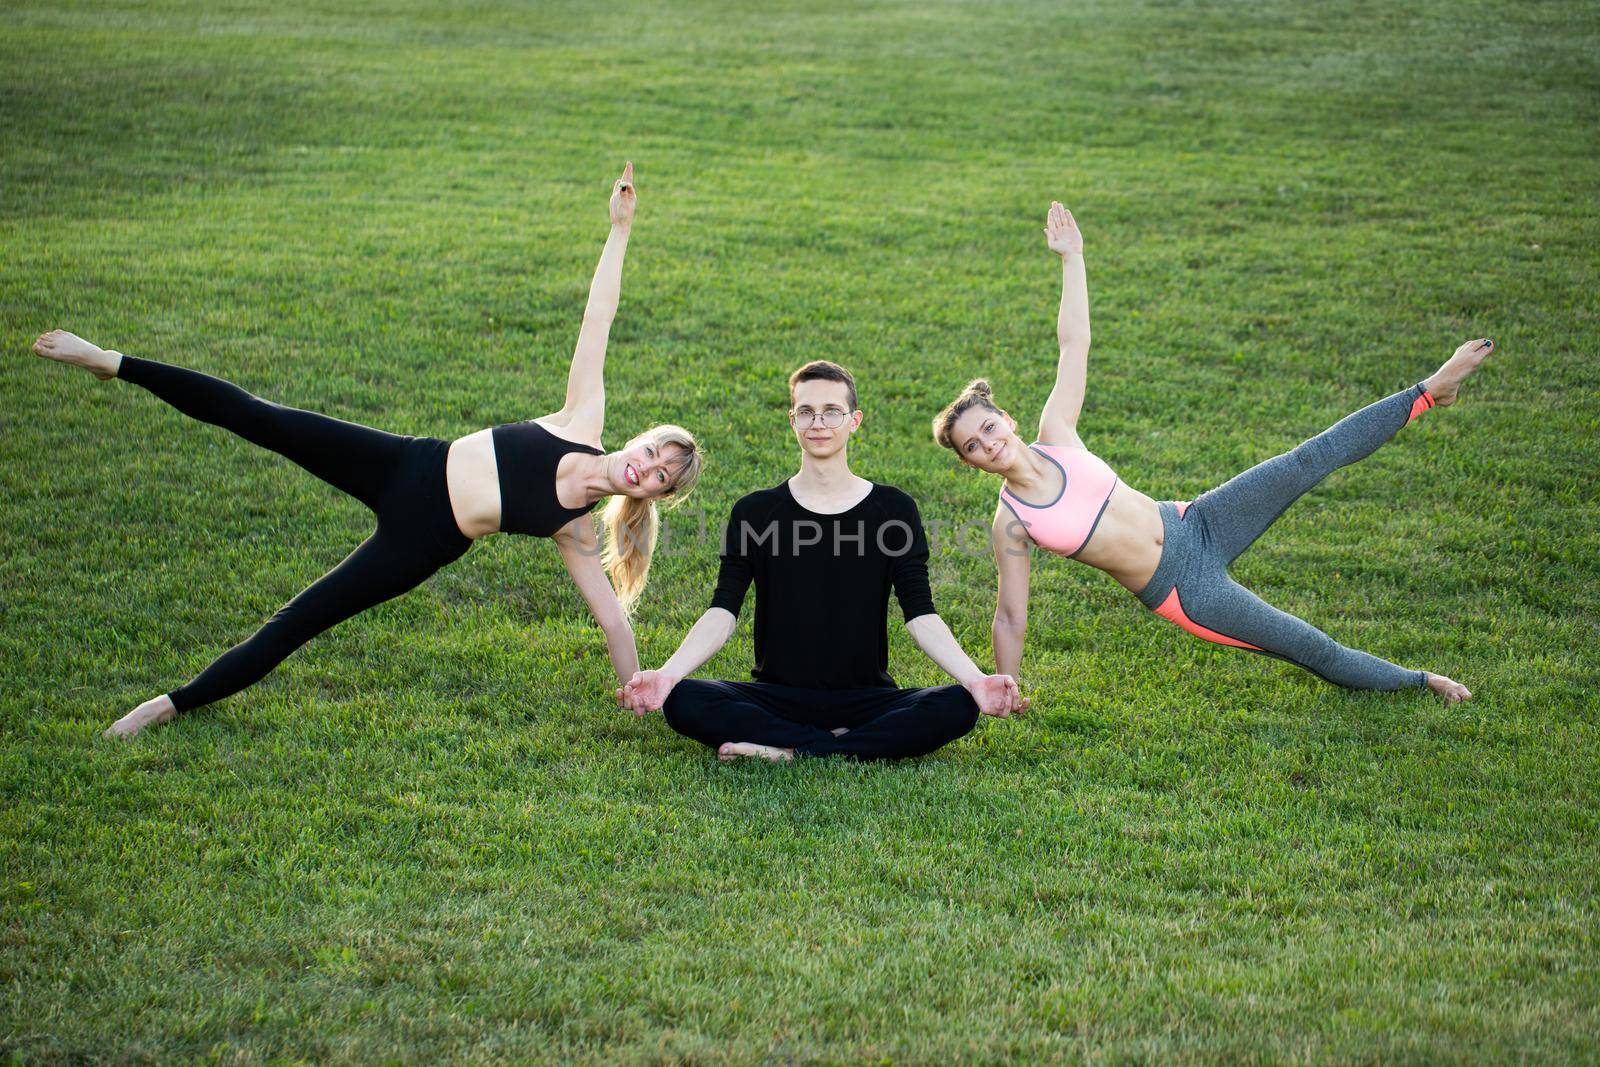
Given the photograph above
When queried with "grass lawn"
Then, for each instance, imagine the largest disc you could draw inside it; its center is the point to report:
(431, 837)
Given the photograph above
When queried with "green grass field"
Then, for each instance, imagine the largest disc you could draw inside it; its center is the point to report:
(431, 837)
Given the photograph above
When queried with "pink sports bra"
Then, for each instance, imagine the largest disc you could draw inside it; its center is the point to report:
(1065, 524)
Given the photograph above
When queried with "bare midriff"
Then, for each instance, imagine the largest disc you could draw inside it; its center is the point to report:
(1127, 542)
(473, 479)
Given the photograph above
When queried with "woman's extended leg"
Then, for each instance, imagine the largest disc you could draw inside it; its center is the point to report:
(355, 459)
(1219, 609)
(382, 567)
(1241, 509)
(1192, 589)
(399, 478)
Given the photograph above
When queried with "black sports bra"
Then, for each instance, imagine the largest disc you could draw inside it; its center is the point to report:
(526, 456)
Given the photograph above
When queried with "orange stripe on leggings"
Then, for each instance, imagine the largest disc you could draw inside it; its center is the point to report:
(1171, 609)
(1421, 404)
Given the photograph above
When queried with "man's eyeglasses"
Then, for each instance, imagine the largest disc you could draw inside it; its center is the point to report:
(805, 418)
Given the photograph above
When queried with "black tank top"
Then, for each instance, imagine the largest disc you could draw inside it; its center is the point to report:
(526, 456)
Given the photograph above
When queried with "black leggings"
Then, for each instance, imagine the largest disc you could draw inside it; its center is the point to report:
(402, 479)
(881, 724)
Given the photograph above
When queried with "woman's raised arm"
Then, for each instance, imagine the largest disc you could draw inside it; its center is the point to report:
(584, 413)
(1059, 423)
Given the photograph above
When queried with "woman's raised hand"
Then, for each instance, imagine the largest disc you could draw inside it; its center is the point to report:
(623, 198)
(1061, 232)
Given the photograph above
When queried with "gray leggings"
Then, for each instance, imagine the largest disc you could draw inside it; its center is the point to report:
(1191, 586)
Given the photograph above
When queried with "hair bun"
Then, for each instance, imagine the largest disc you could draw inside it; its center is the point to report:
(976, 393)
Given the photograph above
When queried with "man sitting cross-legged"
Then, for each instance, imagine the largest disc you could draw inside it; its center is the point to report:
(823, 548)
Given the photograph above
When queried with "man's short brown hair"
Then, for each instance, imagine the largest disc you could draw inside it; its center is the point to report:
(824, 371)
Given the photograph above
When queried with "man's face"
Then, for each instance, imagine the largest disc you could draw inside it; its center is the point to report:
(817, 403)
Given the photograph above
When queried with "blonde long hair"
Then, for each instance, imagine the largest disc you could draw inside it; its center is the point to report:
(631, 523)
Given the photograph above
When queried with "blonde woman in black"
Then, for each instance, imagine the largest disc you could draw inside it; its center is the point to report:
(433, 498)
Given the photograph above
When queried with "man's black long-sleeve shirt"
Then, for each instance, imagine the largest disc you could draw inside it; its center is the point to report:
(822, 584)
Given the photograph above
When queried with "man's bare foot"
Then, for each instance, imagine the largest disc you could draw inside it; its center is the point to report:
(64, 347)
(1453, 692)
(152, 712)
(733, 750)
(1448, 378)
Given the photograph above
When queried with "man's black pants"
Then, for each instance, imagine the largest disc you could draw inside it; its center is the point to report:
(882, 724)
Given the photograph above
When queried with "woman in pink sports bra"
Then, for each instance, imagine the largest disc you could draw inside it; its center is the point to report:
(1174, 556)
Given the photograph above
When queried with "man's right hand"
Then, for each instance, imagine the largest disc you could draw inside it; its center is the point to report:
(646, 691)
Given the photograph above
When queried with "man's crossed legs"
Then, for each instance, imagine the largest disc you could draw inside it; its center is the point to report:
(778, 721)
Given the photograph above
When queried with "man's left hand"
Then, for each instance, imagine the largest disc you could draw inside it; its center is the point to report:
(997, 695)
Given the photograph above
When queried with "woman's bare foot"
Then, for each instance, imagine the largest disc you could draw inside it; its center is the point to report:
(1447, 379)
(733, 750)
(152, 712)
(1453, 692)
(64, 347)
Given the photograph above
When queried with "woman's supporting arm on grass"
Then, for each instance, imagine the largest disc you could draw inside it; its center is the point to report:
(1059, 423)
(995, 694)
(580, 551)
(1012, 561)
(584, 412)
(647, 691)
